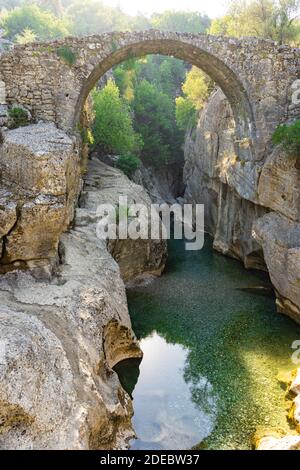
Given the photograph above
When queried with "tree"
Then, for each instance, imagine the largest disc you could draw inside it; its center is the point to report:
(55, 6)
(154, 113)
(92, 17)
(181, 21)
(150, 86)
(42, 23)
(186, 113)
(196, 89)
(113, 127)
(286, 28)
(128, 164)
(272, 19)
(27, 36)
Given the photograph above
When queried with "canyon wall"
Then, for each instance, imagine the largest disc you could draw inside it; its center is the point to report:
(63, 307)
(252, 208)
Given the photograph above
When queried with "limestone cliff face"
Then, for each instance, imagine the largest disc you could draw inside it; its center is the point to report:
(137, 259)
(62, 334)
(59, 340)
(39, 187)
(251, 208)
(164, 185)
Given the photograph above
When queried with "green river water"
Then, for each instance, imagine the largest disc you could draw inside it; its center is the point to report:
(212, 354)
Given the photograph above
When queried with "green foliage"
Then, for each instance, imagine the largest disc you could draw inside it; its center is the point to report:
(67, 55)
(196, 89)
(186, 113)
(272, 19)
(9, 4)
(18, 117)
(43, 24)
(288, 135)
(26, 37)
(181, 21)
(128, 164)
(113, 127)
(166, 73)
(154, 113)
(93, 17)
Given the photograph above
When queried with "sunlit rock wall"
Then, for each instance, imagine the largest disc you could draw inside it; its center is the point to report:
(252, 209)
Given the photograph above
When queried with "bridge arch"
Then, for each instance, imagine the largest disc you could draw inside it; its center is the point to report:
(256, 76)
(220, 73)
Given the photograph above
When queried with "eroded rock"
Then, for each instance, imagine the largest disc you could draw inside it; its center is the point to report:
(39, 165)
(283, 443)
(136, 258)
(59, 341)
(217, 177)
(280, 239)
(279, 184)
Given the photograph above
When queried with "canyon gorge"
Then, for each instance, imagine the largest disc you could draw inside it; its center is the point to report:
(63, 307)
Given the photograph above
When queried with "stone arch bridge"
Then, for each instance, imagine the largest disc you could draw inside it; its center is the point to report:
(256, 76)
(40, 165)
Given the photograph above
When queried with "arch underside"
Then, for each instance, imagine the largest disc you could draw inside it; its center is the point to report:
(220, 73)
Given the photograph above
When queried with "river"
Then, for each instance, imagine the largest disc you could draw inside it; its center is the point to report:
(212, 355)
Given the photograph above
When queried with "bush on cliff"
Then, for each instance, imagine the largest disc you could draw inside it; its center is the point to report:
(128, 164)
(288, 135)
(18, 117)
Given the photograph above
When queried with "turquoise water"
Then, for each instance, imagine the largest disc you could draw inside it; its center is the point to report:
(212, 353)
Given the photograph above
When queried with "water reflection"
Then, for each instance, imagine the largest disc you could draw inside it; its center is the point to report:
(165, 415)
(232, 337)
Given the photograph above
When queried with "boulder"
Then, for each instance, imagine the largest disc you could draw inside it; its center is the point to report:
(40, 181)
(280, 239)
(279, 184)
(282, 443)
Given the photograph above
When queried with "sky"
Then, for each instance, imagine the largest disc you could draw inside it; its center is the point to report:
(213, 8)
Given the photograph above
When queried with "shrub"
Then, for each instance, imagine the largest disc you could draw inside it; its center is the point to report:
(112, 128)
(122, 213)
(67, 55)
(43, 24)
(18, 117)
(288, 135)
(186, 113)
(128, 164)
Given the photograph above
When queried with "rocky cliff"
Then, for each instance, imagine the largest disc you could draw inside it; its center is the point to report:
(252, 209)
(39, 187)
(63, 308)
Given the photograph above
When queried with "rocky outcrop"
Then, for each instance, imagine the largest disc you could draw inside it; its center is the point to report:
(280, 239)
(137, 259)
(164, 185)
(251, 207)
(279, 443)
(40, 182)
(277, 439)
(60, 337)
(59, 341)
(279, 184)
